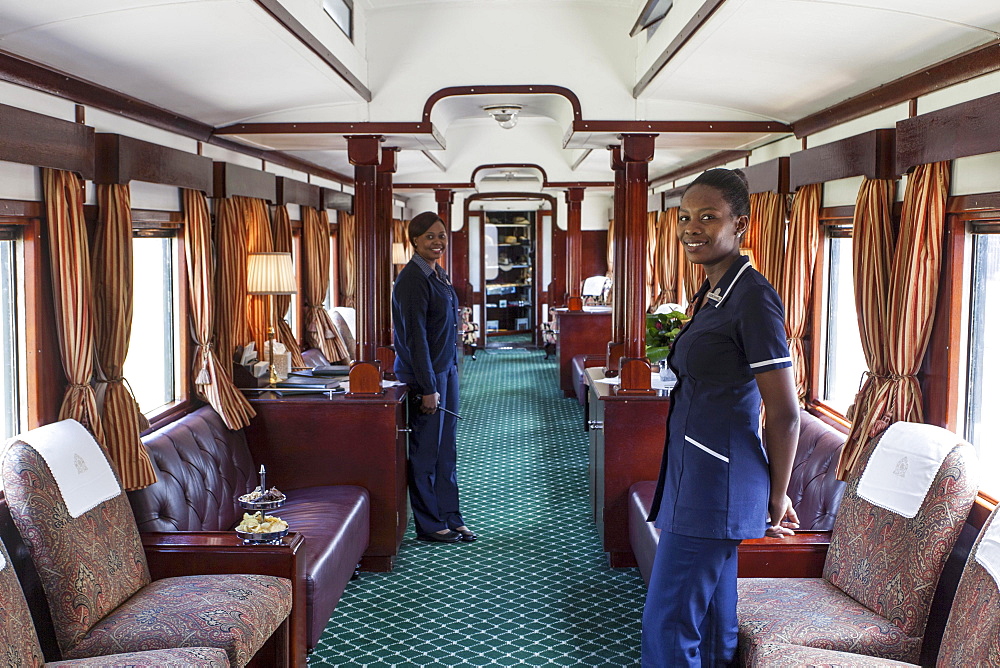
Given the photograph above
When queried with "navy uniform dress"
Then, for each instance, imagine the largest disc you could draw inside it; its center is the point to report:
(425, 333)
(714, 480)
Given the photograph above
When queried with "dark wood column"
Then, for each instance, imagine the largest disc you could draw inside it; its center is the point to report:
(364, 152)
(458, 247)
(631, 236)
(383, 259)
(574, 248)
(615, 346)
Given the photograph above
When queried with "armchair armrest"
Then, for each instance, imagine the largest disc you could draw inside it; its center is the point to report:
(798, 556)
(180, 553)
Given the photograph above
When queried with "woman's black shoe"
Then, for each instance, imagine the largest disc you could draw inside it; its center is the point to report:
(450, 537)
(467, 534)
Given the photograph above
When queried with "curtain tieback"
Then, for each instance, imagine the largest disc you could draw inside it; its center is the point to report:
(79, 386)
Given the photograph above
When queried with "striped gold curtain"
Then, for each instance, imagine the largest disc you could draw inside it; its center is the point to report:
(667, 256)
(113, 293)
(346, 237)
(212, 377)
(795, 286)
(257, 221)
(72, 295)
(283, 244)
(907, 303)
(399, 236)
(231, 328)
(767, 234)
(694, 276)
(611, 251)
(319, 328)
(652, 251)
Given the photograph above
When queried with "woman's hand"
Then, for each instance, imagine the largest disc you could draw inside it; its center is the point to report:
(782, 508)
(429, 403)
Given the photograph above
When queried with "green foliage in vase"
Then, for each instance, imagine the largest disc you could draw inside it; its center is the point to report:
(661, 330)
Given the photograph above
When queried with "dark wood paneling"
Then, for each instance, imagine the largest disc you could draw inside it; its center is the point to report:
(870, 154)
(520, 89)
(290, 191)
(714, 160)
(31, 75)
(770, 176)
(235, 180)
(123, 159)
(28, 138)
(965, 66)
(958, 131)
(595, 253)
(313, 441)
(335, 199)
(800, 556)
(666, 127)
(580, 333)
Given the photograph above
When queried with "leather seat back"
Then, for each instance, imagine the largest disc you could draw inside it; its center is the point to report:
(201, 467)
(814, 488)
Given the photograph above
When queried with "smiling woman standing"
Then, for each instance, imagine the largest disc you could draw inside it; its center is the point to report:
(717, 483)
(425, 331)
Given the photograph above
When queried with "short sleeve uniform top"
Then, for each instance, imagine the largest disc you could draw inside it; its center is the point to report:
(714, 479)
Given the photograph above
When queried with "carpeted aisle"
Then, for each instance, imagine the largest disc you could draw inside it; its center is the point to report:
(534, 590)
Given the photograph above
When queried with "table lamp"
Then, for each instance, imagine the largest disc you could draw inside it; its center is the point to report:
(270, 274)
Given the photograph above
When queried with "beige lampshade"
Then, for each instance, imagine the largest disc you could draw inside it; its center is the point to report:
(270, 274)
(399, 254)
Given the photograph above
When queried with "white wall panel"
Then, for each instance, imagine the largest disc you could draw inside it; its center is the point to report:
(20, 182)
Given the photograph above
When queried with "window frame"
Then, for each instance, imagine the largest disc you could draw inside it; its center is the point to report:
(163, 223)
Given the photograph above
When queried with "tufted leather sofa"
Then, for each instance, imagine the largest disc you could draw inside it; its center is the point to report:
(813, 488)
(202, 467)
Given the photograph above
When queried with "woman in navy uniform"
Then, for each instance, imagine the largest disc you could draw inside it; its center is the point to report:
(718, 484)
(425, 330)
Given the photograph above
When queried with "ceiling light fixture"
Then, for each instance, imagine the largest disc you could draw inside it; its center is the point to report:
(504, 114)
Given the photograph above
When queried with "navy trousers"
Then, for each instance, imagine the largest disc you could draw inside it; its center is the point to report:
(690, 614)
(432, 476)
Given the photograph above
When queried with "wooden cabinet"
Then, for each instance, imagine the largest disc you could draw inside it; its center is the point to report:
(584, 332)
(309, 440)
(626, 446)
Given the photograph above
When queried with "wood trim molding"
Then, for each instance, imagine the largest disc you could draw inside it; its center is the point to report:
(34, 76)
(965, 129)
(122, 159)
(34, 139)
(671, 198)
(335, 199)
(870, 154)
(520, 89)
(666, 127)
(699, 19)
(290, 191)
(284, 18)
(969, 65)
(770, 176)
(709, 162)
(235, 180)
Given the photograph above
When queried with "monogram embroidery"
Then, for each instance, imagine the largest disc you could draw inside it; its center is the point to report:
(901, 467)
(81, 466)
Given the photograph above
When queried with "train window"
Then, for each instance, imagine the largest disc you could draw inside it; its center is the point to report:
(342, 13)
(11, 381)
(151, 367)
(843, 358)
(982, 397)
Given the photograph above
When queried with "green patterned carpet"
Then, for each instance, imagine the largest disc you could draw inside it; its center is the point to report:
(534, 590)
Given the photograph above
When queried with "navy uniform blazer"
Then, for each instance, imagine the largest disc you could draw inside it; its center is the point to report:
(714, 479)
(425, 324)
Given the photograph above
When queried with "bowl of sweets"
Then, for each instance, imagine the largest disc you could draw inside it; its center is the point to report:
(262, 500)
(260, 528)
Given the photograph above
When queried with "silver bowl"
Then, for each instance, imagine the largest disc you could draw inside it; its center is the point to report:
(273, 538)
(261, 505)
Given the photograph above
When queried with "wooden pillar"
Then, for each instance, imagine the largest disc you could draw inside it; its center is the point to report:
(383, 260)
(574, 248)
(364, 153)
(637, 151)
(615, 346)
